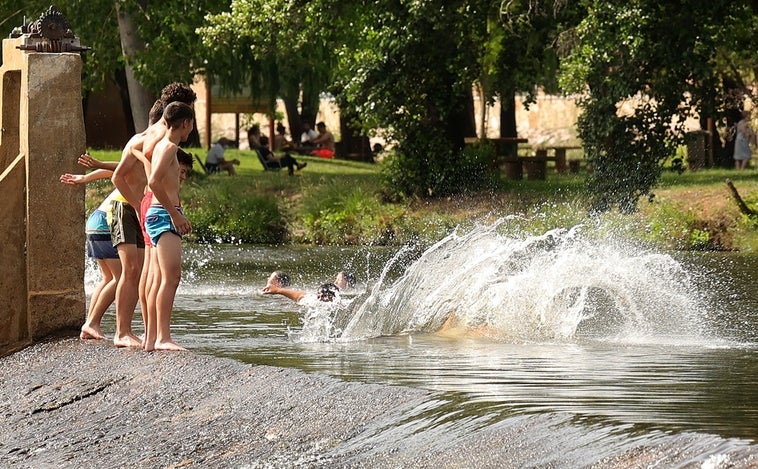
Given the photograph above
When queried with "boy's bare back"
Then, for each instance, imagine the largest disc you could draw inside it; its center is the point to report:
(166, 168)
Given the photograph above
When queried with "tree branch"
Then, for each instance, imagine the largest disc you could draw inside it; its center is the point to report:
(740, 203)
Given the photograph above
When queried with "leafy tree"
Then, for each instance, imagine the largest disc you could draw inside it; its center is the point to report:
(409, 68)
(167, 47)
(406, 66)
(275, 48)
(646, 66)
(525, 43)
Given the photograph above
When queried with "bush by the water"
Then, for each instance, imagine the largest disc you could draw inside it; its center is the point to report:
(342, 202)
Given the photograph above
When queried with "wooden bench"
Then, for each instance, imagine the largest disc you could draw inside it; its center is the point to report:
(506, 154)
(535, 167)
(556, 153)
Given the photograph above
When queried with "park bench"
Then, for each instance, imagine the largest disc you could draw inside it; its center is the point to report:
(533, 163)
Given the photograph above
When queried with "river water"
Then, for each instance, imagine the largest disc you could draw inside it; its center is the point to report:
(628, 345)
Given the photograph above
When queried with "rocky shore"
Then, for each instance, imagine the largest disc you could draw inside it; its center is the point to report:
(68, 403)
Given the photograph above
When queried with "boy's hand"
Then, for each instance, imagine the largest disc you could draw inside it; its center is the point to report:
(72, 179)
(88, 162)
(182, 225)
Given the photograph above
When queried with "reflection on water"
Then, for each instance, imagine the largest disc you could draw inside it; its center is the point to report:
(701, 378)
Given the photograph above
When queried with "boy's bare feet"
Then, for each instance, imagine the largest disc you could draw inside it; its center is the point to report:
(127, 341)
(169, 346)
(91, 333)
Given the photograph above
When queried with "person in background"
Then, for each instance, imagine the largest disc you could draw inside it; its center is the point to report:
(306, 138)
(215, 160)
(280, 139)
(744, 138)
(324, 141)
(279, 161)
(254, 136)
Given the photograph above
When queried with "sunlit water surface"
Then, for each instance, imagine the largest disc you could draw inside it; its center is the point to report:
(643, 342)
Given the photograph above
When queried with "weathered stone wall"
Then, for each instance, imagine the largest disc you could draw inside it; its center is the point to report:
(42, 260)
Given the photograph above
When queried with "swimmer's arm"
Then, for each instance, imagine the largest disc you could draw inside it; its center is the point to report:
(294, 295)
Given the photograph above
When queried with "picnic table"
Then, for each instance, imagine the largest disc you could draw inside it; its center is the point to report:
(506, 154)
(504, 146)
(533, 164)
(555, 153)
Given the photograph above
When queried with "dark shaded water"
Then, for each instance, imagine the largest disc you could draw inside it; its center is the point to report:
(669, 345)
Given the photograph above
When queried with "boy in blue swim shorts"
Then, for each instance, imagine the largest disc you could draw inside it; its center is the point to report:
(165, 222)
(99, 247)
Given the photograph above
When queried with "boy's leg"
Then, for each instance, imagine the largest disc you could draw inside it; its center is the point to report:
(91, 328)
(127, 294)
(143, 285)
(111, 269)
(154, 283)
(169, 252)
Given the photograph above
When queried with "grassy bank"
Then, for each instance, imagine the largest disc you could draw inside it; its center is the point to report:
(338, 202)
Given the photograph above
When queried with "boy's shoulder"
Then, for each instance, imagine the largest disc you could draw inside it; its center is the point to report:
(164, 147)
(159, 128)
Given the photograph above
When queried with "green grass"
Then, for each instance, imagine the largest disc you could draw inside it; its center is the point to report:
(338, 202)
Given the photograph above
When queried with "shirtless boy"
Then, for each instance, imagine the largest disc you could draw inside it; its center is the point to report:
(130, 178)
(165, 222)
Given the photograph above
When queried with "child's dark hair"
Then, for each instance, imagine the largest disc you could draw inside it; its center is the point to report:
(326, 292)
(178, 92)
(349, 278)
(184, 158)
(156, 112)
(176, 112)
(282, 278)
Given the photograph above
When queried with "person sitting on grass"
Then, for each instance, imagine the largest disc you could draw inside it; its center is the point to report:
(215, 161)
(324, 141)
(278, 161)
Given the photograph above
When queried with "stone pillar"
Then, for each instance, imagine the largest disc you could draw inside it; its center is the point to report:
(41, 220)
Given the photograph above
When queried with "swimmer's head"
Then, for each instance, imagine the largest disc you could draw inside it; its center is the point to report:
(344, 280)
(279, 279)
(327, 292)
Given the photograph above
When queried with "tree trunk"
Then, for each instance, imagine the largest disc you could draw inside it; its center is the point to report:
(140, 98)
(508, 116)
(310, 104)
(460, 122)
(119, 76)
(293, 118)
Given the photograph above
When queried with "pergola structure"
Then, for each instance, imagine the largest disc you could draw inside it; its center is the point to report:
(213, 100)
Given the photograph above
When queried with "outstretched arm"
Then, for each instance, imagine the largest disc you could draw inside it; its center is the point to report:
(74, 179)
(88, 162)
(294, 295)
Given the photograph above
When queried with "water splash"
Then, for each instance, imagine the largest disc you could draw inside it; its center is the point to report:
(559, 286)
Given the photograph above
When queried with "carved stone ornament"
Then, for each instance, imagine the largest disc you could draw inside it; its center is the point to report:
(50, 33)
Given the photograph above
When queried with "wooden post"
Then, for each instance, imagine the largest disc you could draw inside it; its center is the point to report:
(560, 160)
